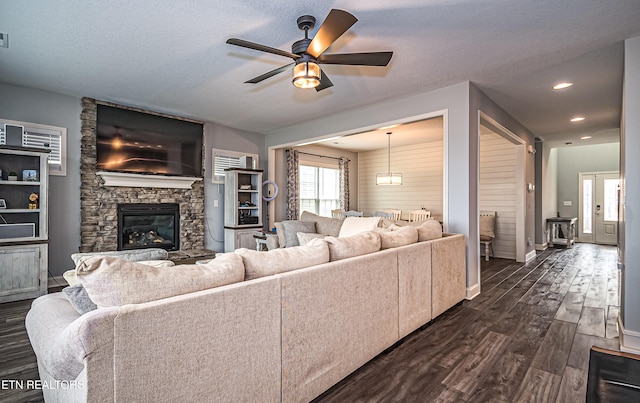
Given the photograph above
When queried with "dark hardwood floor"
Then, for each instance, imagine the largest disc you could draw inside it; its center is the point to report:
(526, 337)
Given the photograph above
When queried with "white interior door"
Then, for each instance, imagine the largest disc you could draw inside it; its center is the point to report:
(598, 213)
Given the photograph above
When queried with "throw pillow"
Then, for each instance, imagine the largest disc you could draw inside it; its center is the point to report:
(430, 229)
(324, 225)
(79, 299)
(398, 237)
(110, 281)
(356, 225)
(305, 237)
(360, 244)
(487, 225)
(260, 264)
(291, 229)
(134, 255)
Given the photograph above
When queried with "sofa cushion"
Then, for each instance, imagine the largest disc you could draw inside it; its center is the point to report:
(110, 281)
(356, 225)
(260, 264)
(134, 255)
(305, 237)
(356, 245)
(324, 225)
(71, 278)
(79, 299)
(428, 230)
(398, 236)
(291, 229)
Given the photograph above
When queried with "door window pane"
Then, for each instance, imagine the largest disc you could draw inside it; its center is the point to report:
(587, 206)
(611, 199)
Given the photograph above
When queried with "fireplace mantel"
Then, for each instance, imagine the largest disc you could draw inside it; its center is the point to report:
(146, 181)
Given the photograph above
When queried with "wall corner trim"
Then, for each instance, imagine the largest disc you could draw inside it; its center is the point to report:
(629, 339)
(473, 291)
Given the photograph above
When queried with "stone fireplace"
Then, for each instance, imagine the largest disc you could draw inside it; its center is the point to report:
(99, 203)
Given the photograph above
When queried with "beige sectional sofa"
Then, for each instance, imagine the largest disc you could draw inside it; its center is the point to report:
(287, 336)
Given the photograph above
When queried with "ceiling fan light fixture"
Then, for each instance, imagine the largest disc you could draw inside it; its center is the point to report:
(306, 74)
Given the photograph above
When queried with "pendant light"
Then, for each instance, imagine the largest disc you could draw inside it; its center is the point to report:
(389, 178)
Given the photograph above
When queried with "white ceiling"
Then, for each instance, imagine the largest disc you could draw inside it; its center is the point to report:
(172, 56)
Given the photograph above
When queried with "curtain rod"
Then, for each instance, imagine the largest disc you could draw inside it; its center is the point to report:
(323, 156)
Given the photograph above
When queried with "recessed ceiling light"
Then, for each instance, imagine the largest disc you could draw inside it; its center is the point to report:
(561, 86)
(387, 127)
(578, 119)
(585, 137)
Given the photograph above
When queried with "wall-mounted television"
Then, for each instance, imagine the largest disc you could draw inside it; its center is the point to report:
(137, 142)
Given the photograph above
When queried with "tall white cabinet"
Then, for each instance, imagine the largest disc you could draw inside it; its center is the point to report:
(24, 232)
(242, 207)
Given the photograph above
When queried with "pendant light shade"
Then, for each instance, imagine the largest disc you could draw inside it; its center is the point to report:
(389, 178)
(306, 75)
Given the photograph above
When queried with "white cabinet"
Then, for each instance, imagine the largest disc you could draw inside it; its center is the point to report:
(24, 233)
(242, 207)
(23, 271)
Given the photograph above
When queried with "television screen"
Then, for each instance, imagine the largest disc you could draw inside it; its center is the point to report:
(136, 142)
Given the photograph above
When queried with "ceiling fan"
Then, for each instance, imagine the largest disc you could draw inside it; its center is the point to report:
(307, 53)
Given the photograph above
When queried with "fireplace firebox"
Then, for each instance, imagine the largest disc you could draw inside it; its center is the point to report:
(142, 225)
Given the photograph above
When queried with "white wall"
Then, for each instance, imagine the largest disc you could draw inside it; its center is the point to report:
(48, 108)
(629, 228)
(421, 166)
(222, 137)
(575, 159)
(498, 190)
(549, 191)
(460, 165)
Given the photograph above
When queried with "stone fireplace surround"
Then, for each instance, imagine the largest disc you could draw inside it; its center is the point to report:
(99, 203)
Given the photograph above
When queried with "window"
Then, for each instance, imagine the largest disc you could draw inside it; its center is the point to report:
(319, 189)
(42, 136)
(587, 206)
(224, 159)
(611, 199)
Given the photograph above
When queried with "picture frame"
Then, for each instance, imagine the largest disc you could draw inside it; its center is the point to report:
(30, 175)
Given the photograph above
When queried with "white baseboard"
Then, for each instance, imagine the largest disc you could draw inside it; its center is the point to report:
(541, 247)
(629, 339)
(57, 281)
(473, 291)
(530, 256)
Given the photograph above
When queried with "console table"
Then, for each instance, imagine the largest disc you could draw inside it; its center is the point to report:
(558, 225)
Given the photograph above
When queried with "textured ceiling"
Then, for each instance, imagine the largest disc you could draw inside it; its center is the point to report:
(172, 56)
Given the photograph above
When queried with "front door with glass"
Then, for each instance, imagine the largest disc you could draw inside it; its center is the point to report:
(598, 221)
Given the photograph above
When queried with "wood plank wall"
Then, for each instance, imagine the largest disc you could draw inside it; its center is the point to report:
(421, 166)
(498, 190)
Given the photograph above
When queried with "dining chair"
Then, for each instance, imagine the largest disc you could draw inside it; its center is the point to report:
(383, 214)
(396, 213)
(487, 231)
(337, 213)
(353, 213)
(419, 215)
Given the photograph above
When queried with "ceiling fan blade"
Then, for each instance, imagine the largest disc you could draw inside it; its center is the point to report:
(336, 24)
(324, 82)
(272, 73)
(262, 48)
(357, 59)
